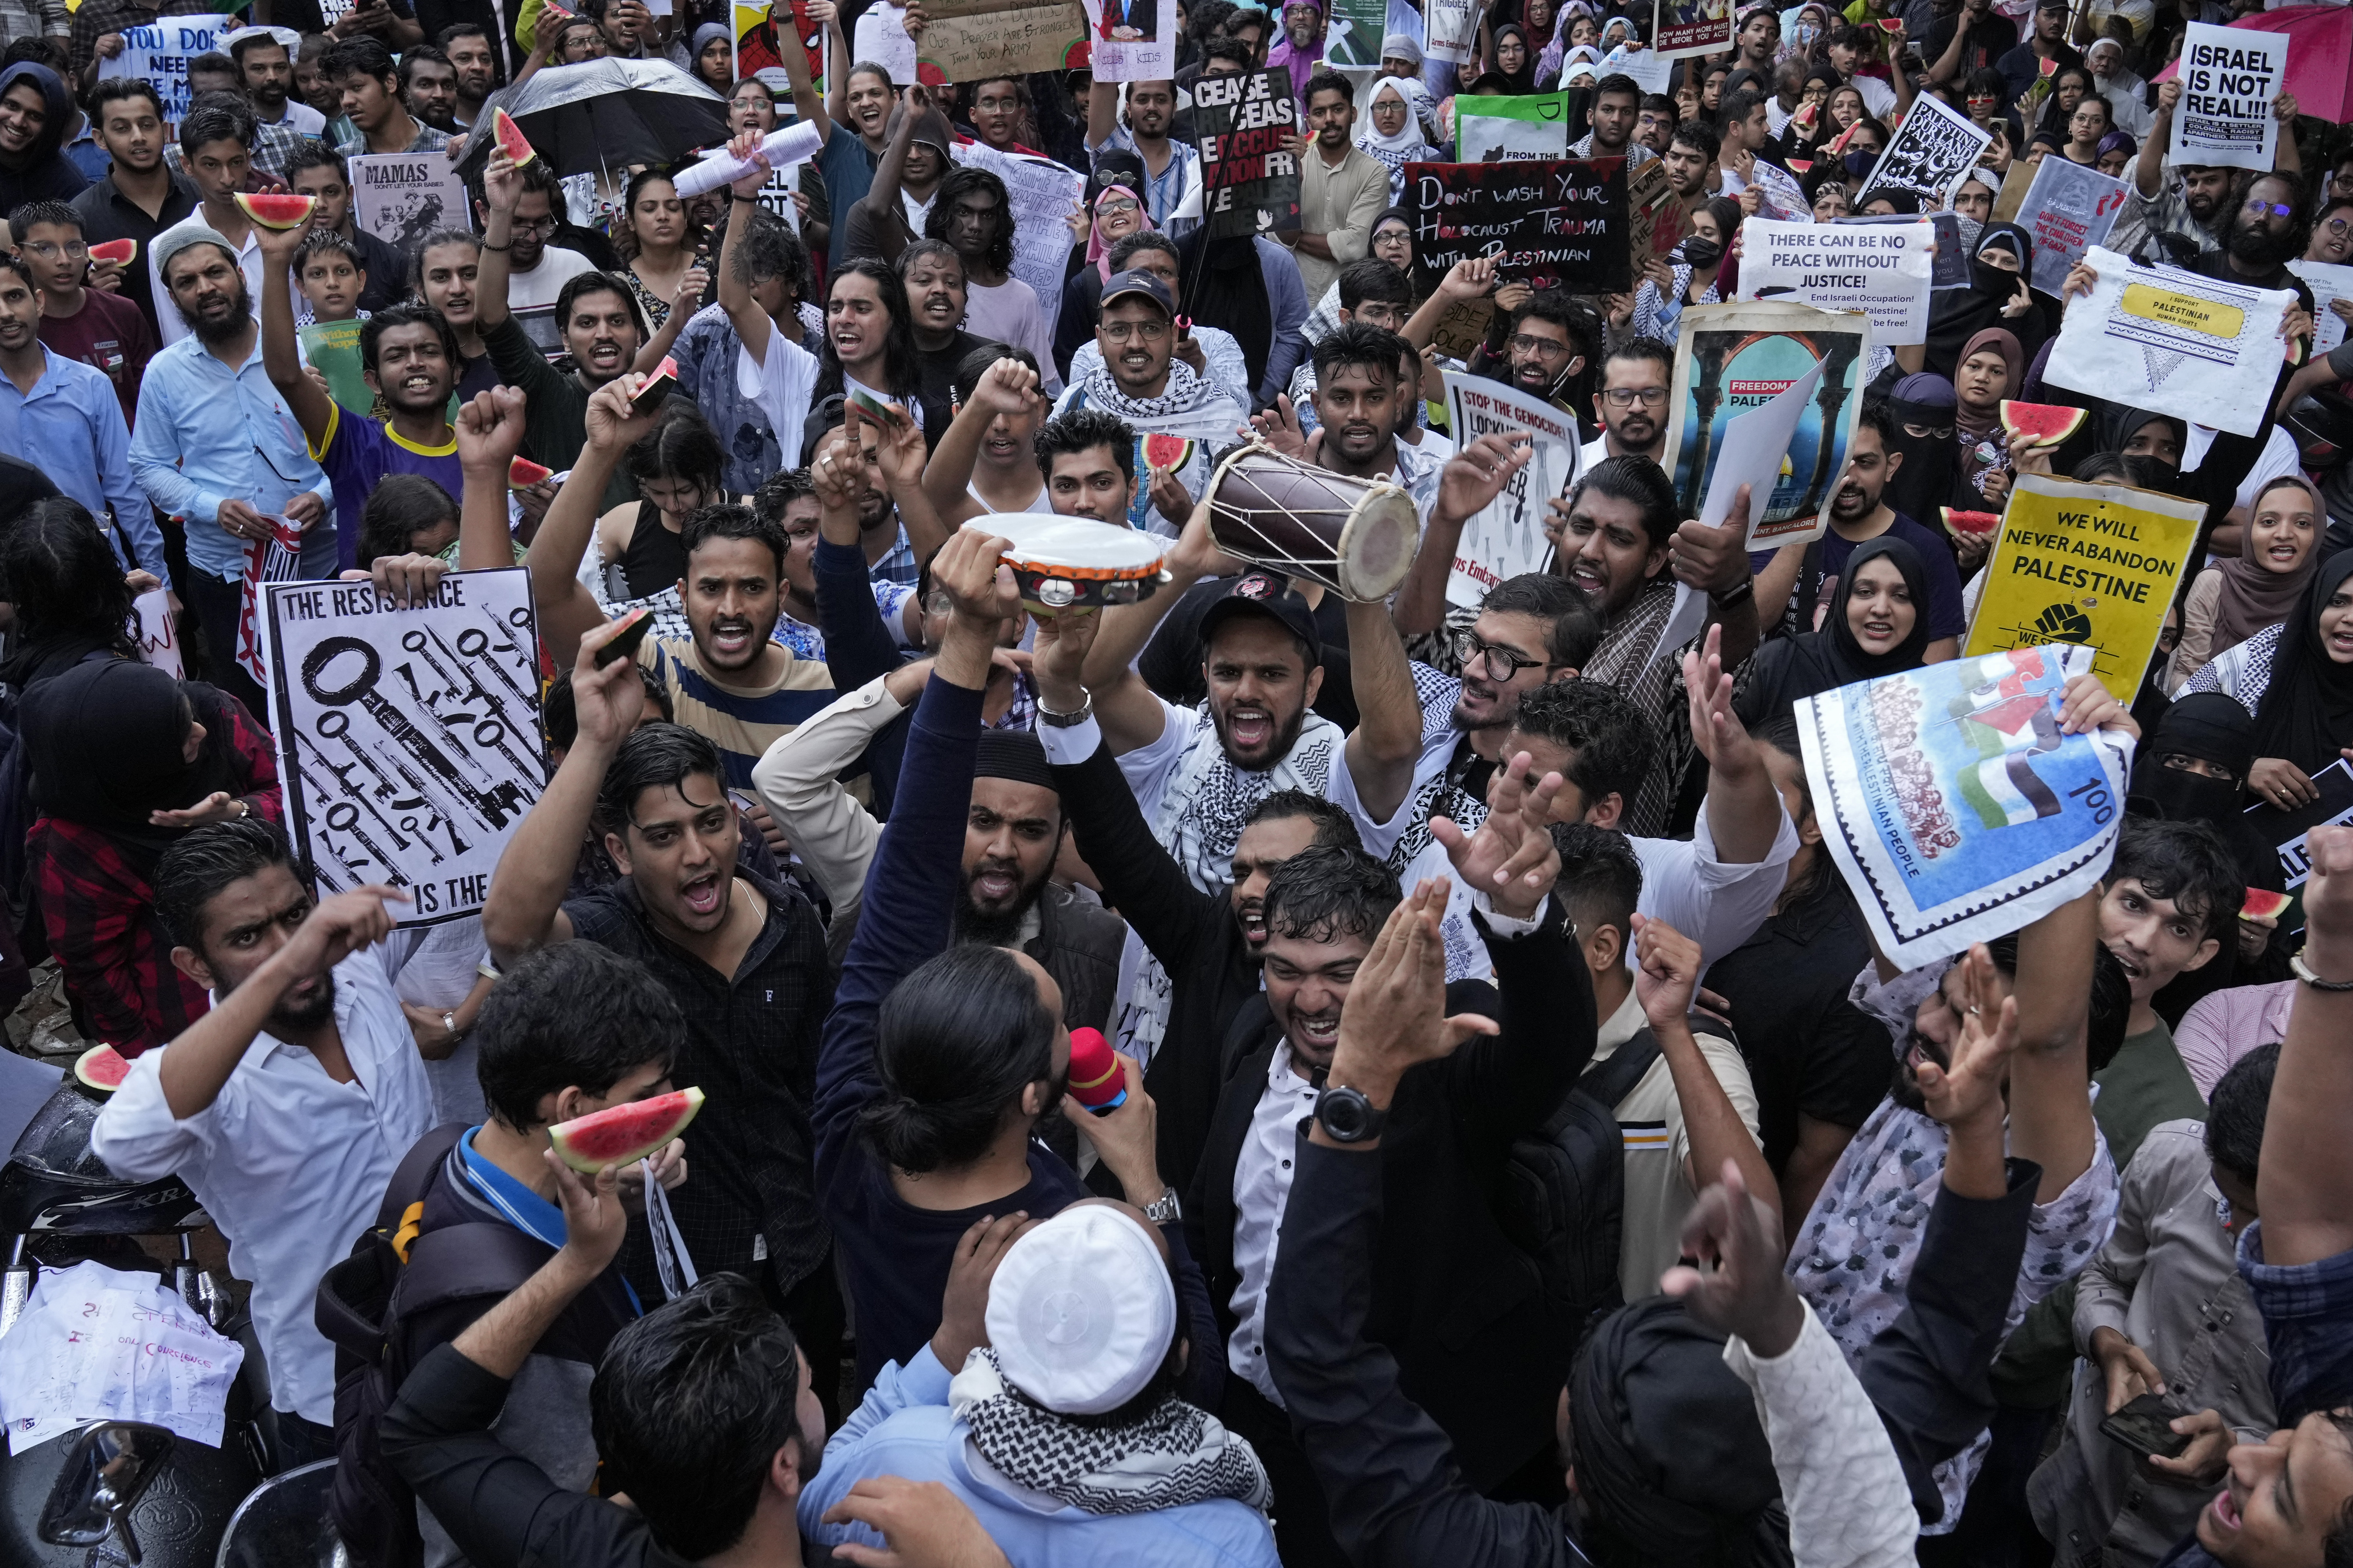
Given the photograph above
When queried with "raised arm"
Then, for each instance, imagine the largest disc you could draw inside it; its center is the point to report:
(566, 608)
(857, 646)
(1386, 742)
(1744, 810)
(2304, 1181)
(490, 432)
(2148, 167)
(882, 197)
(2050, 1080)
(281, 356)
(1102, 113)
(899, 452)
(744, 313)
(1008, 386)
(501, 189)
(1471, 477)
(1667, 966)
(807, 101)
(798, 779)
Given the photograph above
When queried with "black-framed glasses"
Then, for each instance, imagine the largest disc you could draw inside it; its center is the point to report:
(1501, 663)
(1625, 397)
(1543, 348)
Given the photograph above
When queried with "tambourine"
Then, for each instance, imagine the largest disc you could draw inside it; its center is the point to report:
(1062, 562)
(1356, 537)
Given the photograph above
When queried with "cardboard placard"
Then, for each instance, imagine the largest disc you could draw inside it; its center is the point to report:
(1134, 40)
(2229, 76)
(2095, 565)
(158, 52)
(1507, 537)
(1654, 214)
(1450, 29)
(1250, 180)
(1680, 27)
(1551, 224)
(1732, 358)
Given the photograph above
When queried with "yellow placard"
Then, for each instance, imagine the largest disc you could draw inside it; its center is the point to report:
(2187, 311)
(2091, 564)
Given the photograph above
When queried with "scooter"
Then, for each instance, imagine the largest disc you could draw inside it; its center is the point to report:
(60, 1206)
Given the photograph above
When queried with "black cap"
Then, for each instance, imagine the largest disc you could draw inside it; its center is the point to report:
(1145, 283)
(1261, 592)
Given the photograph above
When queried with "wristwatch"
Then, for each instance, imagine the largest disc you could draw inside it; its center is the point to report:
(1348, 1116)
(1164, 1209)
(1052, 720)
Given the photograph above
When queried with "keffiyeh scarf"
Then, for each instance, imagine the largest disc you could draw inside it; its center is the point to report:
(1201, 414)
(1394, 152)
(1176, 1455)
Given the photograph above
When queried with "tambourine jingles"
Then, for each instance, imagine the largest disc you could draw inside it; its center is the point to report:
(1356, 537)
(1061, 561)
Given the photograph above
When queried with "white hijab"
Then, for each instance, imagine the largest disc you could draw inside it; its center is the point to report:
(1409, 139)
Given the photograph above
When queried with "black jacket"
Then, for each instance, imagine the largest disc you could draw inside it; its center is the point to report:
(1458, 1304)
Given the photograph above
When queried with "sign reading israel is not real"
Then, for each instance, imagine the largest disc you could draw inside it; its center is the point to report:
(1550, 223)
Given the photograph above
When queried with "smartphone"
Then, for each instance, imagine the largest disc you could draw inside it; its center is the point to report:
(634, 628)
(2145, 1427)
(658, 387)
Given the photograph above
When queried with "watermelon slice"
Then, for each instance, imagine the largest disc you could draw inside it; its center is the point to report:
(1805, 116)
(522, 473)
(1888, 25)
(101, 1067)
(1166, 451)
(511, 138)
(622, 1133)
(2263, 906)
(1971, 522)
(276, 211)
(658, 387)
(2040, 423)
(120, 250)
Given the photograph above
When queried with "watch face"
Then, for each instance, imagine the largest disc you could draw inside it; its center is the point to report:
(1343, 1115)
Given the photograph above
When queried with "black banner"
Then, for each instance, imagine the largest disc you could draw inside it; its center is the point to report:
(1250, 180)
(1551, 224)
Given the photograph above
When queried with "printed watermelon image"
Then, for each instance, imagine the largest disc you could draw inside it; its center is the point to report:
(2263, 906)
(511, 141)
(2039, 424)
(276, 211)
(622, 1133)
(101, 1067)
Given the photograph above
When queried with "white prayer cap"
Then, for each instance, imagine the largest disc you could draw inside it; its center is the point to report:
(286, 36)
(1081, 1311)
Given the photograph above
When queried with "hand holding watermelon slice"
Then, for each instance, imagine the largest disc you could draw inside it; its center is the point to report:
(2262, 907)
(2039, 424)
(624, 1134)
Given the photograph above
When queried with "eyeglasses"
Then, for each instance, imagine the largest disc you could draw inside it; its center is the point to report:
(1120, 331)
(532, 225)
(47, 250)
(1625, 397)
(1116, 206)
(1501, 663)
(1543, 348)
(2334, 226)
(2272, 209)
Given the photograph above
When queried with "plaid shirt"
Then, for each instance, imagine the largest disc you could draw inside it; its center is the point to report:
(751, 1046)
(272, 146)
(100, 913)
(33, 19)
(98, 18)
(428, 140)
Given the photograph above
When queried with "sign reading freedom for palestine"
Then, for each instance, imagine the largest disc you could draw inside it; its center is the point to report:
(1551, 224)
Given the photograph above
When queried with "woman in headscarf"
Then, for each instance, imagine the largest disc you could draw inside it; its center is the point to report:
(1510, 57)
(1544, 24)
(2193, 768)
(71, 598)
(714, 56)
(2070, 85)
(2156, 438)
(1807, 30)
(1990, 369)
(1810, 123)
(1580, 66)
(2297, 678)
(2114, 154)
(1695, 271)
(1998, 296)
(1880, 628)
(122, 761)
(1391, 131)
(1113, 208)
(2240, 595)
(32, 169)
(2128, 95)
(1929, 480)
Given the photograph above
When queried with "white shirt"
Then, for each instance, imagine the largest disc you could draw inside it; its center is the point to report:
(290, 1164)
(1877, 96)
(302, 118)
(783, 387)
(537, 289)
(1261, 1192)
(1594, 451)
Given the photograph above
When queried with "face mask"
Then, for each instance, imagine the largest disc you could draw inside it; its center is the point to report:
(1701, 252)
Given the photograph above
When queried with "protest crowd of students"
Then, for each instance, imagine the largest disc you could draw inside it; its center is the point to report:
(1528, 1153)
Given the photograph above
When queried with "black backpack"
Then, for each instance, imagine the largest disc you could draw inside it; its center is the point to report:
(393, 1273)
(1563, 1201)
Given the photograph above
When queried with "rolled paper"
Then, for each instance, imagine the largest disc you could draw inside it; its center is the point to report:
(794, 143)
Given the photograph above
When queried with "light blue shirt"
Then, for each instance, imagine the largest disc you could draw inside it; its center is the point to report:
(905, 1428)
(209, 434)
(70, 427)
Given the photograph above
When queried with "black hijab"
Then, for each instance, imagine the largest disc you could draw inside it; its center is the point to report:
(2118, 424)
(104, 741)
(2213, 727)
(1957, 315)
(2307, 712)
(1789, 669)
(1224, 288)
(1928, 482)
(1522, 81)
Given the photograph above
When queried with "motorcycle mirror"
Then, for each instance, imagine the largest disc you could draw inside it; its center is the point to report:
(109, 1466)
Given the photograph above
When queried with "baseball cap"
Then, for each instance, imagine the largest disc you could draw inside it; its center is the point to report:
(1259, 592)
(1145, 283)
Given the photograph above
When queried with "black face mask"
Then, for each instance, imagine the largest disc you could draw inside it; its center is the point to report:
(1702, 253)
(2182, 795)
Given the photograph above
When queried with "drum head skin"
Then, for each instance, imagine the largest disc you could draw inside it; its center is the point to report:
(1377, 548)
(1061, 561)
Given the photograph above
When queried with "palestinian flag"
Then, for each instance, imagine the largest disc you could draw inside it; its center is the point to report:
(2009, 728)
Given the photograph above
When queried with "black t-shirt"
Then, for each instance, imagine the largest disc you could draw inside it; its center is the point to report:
(2020, 67)
(1991, 36)
(939, 383)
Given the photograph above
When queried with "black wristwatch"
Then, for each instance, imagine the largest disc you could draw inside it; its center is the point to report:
(1348, 1116)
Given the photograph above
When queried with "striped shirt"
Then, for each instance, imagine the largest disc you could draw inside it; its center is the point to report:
(743, 721)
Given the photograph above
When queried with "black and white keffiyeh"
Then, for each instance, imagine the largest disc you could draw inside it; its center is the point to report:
(1176, 1455)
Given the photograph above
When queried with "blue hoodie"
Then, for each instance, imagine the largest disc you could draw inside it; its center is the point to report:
(41, 172)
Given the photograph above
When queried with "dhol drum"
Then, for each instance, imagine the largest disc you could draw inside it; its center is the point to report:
(1356, 537)
(1062, 562)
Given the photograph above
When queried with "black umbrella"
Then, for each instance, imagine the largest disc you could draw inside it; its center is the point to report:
(608, 114)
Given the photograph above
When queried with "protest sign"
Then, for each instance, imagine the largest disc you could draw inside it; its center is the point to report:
(401, 197)
(2095, 565)
(1953, 805)
(1654, 214)
(1134, 40)
(2289, 829)
(1680, 27)
(1930, 152)
(2172, 343)
(1753, 452)
(1646, 68)
(1551, 225)
(1880, 270)
(333, 348)
(408, 736)
(1532, 125)
(1351, 38)
(275, 557)
(1952, 261)
(880, 37)
(974, 40)
(1733, 358)
(1507, 537)
(756, 55)
(2068, 209)
(2328, 283)
(2229, 76)
(1450, 29)
(1040, 193)
(158, 52)
(159, 636)
(1250, 180)
(1462, 328)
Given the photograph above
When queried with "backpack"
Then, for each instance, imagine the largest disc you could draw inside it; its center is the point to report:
(394, 1273)
(1563, 1200)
